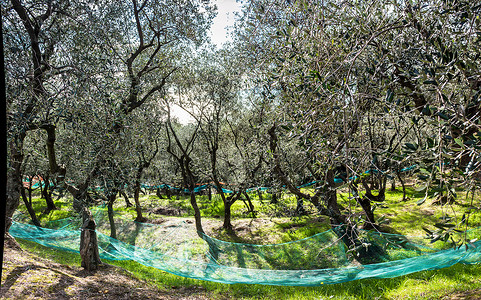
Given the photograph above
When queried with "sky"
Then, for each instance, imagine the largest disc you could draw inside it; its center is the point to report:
(225, 17)
(218, 33)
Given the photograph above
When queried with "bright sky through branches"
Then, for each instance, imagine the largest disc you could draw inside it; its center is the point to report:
(218, 33)
(225, 17)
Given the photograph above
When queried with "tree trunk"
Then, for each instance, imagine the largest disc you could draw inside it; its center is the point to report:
(346, 230)
(89, 250)
(40, 186)
(168, 193)
(29, 207)
(300, 210)
(14, 178)
(55, 170)
(188, 178)
(274, 199)
(402, 184)
(367, 208)
(259, 194)
(47, 195)
(138, 208)
(126, 198)
(227, 216)
(368, 197)
(330, 199)
(251, 205)
(80, 197)
(29, 194)
(110, 210)
(197, 217)
(159, 194)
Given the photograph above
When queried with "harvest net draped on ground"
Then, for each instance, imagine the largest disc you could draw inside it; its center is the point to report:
(174, 246)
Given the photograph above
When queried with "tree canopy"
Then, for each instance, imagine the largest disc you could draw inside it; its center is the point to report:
(333, 94)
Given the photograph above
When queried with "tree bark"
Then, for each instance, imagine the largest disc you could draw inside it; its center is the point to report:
(29, 207)
(159, 194)
(259, 194)
(332, 206)
(81, 198)
(197, 217)
(110, 211)
(393, 185)
(189, 177)
(168, 193)
(138, 208)
(227, 225)
(398, 174)
(89, 251)
(367, 208)
(226, 201)
(366, 200)
(47, 195)
(250, 204)
(126, 198)
(38, 58)
(274, 199)
(29, 189)
(14, 178)
(300, 210)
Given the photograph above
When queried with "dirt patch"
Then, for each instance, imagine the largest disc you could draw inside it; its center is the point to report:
(156, 221)
(248, 230)
(251, 231)
(27, 276)
(167, 211)
(428, 211)
(467, 295)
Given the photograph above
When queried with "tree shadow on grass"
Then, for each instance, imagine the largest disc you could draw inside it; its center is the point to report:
(14, 275)
(58, 289)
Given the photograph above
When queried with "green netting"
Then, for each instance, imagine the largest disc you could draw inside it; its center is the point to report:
(175, 247)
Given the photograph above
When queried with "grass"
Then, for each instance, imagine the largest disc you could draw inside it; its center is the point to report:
(209, 208)
(64, 210)
(421, 285)
(404, 217)
(408, 218)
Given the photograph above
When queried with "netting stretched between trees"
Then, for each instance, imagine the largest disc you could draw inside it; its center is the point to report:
(175, 247)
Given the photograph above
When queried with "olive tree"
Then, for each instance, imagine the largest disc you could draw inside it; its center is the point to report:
(337, 67)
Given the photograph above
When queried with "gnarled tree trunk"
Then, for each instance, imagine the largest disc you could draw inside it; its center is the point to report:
(29, 207)
(138, 208)
(14, 178)
(138, 176)
(126, 198)
(47, 195)
(110, 211)
(89, 250)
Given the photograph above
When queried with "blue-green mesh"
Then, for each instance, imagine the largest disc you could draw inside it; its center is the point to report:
(174, 246)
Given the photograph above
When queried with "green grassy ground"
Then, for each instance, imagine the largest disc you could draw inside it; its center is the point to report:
(422, 285)
(405, 217)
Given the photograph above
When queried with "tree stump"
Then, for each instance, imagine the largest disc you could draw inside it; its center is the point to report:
(89, 249)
